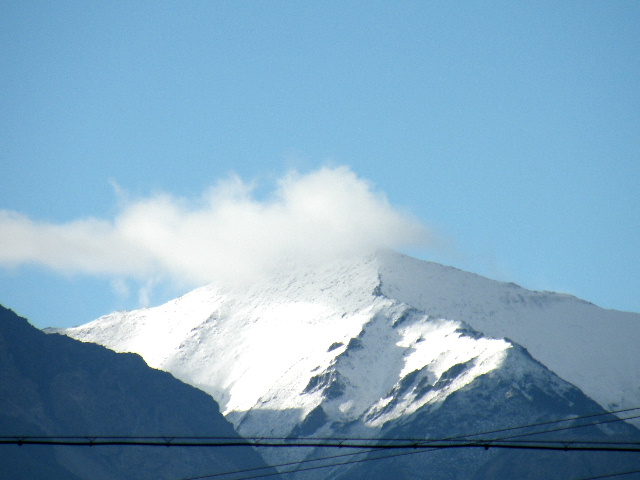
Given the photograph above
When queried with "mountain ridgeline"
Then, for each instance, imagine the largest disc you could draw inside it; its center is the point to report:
(52, 385)
(389, 347)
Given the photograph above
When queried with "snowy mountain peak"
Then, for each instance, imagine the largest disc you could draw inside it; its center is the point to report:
(374, 338)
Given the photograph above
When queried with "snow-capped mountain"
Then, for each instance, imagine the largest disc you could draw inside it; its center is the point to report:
(383, 345)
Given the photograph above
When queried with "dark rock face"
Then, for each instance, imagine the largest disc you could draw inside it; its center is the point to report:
(501, 399)
(52, 385)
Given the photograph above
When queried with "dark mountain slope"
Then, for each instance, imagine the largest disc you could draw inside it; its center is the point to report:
(56, 386)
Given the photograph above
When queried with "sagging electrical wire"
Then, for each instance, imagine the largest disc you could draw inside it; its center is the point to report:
(423, 450)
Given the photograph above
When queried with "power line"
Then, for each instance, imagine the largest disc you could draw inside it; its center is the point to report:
(362, 460)
(458, 437)
(421, 445)
(288, 464)
(288, 443)
(382, 457)
(426, 450)
(552, 422)
(571, 427)
(368, 459)
(610, 475)
(339, 464)
(337, 442)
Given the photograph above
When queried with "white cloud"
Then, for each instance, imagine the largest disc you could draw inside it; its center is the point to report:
(228, 235)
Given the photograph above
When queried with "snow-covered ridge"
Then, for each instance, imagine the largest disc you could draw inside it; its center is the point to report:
(593, 348)
(373, 338)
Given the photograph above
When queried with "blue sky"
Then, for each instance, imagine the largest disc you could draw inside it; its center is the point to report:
(510, 131)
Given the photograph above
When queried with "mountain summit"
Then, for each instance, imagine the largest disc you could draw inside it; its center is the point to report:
(390, 346)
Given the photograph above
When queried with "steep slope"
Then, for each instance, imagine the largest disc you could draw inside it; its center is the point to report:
(375, 346)
(563, 332)
(520, 392)
(52, 385)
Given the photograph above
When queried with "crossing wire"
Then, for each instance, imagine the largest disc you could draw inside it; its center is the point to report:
(338, 442)
(421, 445)
(611, 475)
(452, 442)
(423, 450)
(271, 474)
(362, 460)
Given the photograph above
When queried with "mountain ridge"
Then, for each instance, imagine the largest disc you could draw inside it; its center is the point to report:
(53, 385)
(371, 345)
(496, 309)
(572, 331)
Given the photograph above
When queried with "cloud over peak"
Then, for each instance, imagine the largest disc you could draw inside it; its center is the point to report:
(227, 235)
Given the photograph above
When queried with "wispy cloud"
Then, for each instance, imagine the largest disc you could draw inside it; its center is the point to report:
(226, 235)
